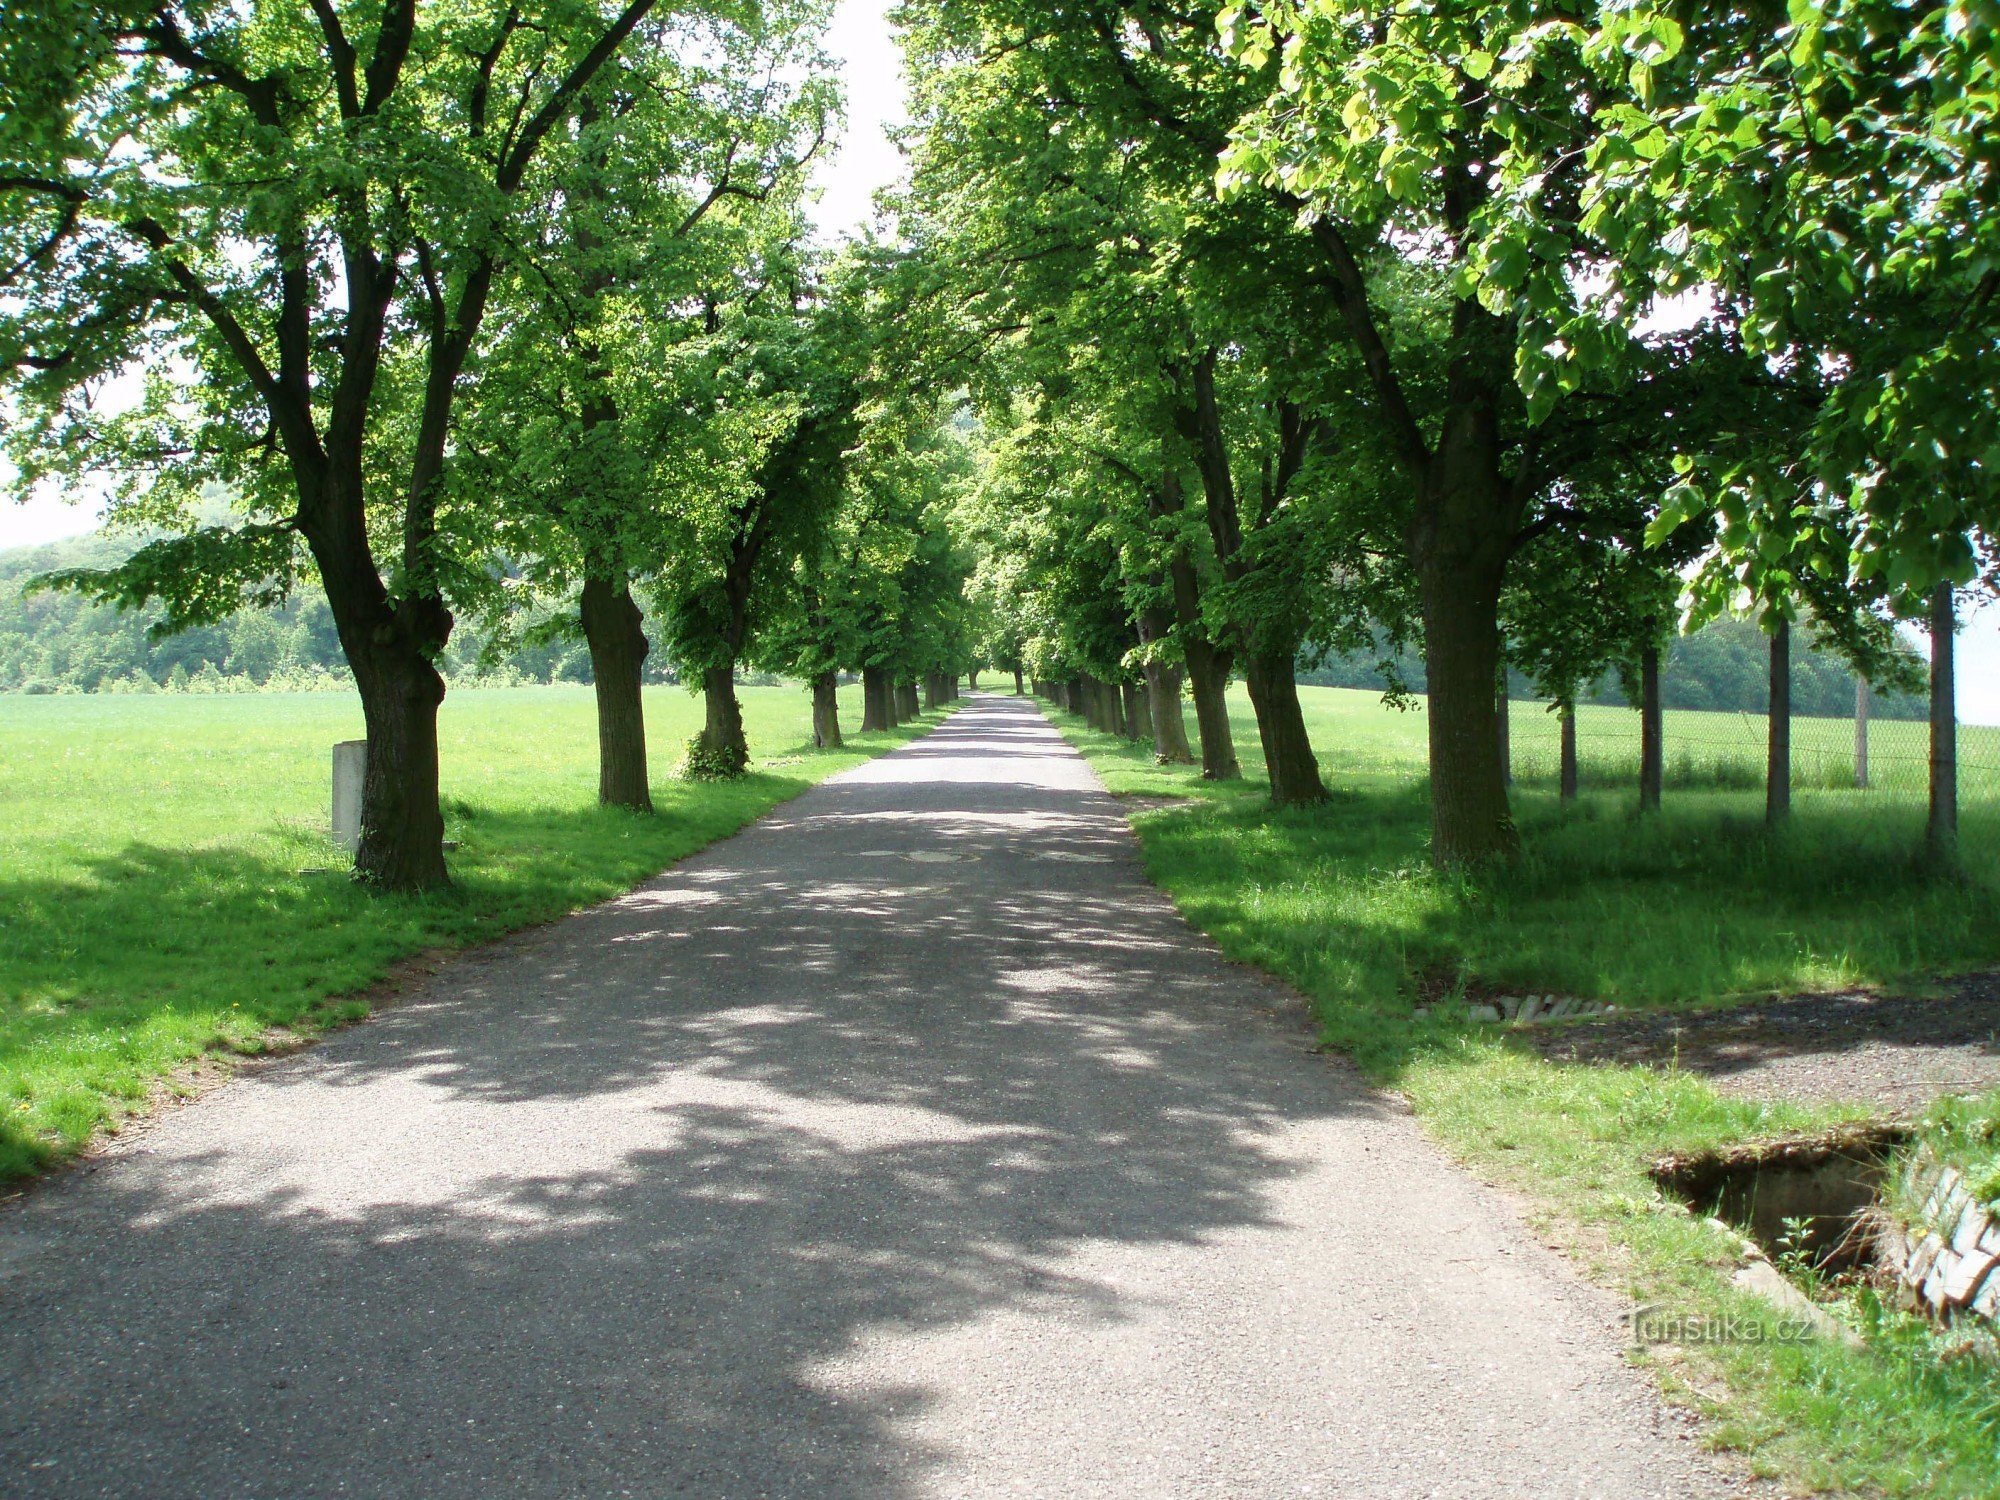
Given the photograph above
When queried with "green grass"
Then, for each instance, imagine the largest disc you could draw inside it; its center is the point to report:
(1693, 906)
(152, 908)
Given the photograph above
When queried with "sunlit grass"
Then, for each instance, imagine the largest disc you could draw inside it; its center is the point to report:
(153, 905)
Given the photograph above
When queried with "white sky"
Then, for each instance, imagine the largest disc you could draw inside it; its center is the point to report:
(862, 41)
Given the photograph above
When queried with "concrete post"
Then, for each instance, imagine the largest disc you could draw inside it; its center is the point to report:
(350, 768)
(1861, 733)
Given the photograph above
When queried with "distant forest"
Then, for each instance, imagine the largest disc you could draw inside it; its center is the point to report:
(59, 643)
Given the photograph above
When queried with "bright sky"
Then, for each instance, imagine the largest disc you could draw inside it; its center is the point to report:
(863, 43)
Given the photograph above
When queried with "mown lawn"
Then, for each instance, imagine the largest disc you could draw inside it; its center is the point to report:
(1694, 906)
(153, 906)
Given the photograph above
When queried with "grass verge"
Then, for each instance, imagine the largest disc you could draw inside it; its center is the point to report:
(152, 905)
(1695, 906)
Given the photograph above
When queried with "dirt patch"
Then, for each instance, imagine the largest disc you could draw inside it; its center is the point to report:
(1138, 802)
(1898, 1052)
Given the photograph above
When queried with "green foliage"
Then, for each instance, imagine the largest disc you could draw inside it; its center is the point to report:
(701, 761)
(1830, 181)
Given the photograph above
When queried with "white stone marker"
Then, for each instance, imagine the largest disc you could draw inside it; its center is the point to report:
(350, 766)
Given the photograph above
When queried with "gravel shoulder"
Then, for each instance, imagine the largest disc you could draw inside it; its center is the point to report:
(1898, 1052)
(908, 1143)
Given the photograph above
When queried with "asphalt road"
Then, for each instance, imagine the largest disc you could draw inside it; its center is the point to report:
(906, 1144)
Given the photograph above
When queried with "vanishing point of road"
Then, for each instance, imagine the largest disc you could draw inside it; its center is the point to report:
(908, 1143)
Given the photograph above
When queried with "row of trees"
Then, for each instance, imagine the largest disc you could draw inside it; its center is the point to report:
(1299, 326)
(499, 310)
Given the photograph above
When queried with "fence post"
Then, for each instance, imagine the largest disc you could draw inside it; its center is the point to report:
(1941, 834)
(1569, 774)
(1503, 727)
(1652, 730)
(1861, 698)
(1778, 764)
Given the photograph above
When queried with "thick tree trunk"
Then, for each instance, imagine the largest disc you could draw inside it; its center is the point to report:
(1163, 707)
(1652, 731)
(1018, 685)
(933, 691)
(1941, 830)
(1138, 722)
(1111, 707)
(1778, 764)
(391, 650)
(1208, 685)
(1074, 699)
(1163, 696)
(402, 826)
(1470, 822)
(876, 711)
(722, 732)
(616, 632)
(1569, 776)
(1281, 726)
(907, 707)
(826, 711)
(1207, 667)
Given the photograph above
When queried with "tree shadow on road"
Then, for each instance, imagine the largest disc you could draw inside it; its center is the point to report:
(643, 1202)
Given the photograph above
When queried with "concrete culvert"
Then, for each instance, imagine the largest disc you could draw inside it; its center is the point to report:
(1814, 1194)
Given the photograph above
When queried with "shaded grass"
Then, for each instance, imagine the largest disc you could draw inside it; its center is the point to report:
(1694, 906)
(152, 905)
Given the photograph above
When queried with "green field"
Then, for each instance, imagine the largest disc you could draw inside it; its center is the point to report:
(152, 905)
(1697, 904)
(1727, 751)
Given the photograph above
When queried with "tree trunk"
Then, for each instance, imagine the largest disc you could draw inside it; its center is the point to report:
(1281, 726)
(1941, 831)
(1778, 766)
(1073, 698)
(722, 733)
(1652, 731)
(1208, 685)
(933, 691)
(402, 825)
(1138, 722)
(826, 711)
(1163, 695)
(1111, 710)
(616, 632)
(907, 707)
(1470, 821)
(1018, 684)
(1503, 722)
(1569, 775)
(877, 712)
(1163, 707)
(1207, 667)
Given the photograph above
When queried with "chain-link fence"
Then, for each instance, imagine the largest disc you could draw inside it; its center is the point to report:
(1888, 758)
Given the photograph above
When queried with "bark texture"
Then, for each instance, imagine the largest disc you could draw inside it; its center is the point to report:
(616, 632)
(1281, 727)
(826, 712)
(722, 730)
(1778, 763)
